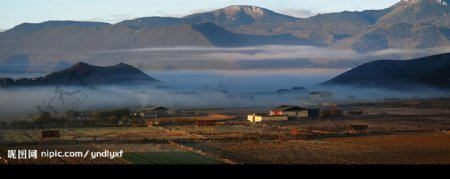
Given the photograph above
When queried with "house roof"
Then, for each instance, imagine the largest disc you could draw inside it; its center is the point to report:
(289, 108)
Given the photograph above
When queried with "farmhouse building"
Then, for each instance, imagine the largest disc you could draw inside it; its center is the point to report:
(265, 118)
(293, 112)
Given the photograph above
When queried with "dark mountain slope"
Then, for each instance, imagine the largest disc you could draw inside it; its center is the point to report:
(82, 74)
(396, 74)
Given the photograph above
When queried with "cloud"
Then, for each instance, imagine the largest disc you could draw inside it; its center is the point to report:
(22, 101)
(266, 52)
(302, 13)
(286, 71)
(38, 99)
(393, 51)
(283, 52)
(262, 57)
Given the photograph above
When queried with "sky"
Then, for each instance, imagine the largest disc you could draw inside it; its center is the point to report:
(15, 12)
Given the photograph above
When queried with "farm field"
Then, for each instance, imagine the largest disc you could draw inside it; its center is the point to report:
(398, 133)
(177, 157)
(428, 148)
(211, 117)
(90, 134)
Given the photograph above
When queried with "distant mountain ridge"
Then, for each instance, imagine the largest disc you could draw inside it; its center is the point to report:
(363, 31)
(25, 29)
(432, 71)
(412, 24)
(145, 22)
(83, 74)
(237, 15)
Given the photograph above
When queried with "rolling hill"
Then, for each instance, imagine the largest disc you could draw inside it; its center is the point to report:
(83, 74)
(432, 71)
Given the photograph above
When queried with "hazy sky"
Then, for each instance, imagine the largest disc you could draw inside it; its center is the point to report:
(14, 12)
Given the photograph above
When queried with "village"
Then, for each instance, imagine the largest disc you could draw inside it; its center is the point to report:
(158, 115)
(329, 128)
(152, 116)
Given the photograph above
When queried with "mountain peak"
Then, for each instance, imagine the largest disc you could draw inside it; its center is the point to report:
(123, 65)
(440, 2)
(80, 68)
(236, 15)
(253, 11)
(80, 65)
(417, 11)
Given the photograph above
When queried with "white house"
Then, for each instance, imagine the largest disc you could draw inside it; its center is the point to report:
(265, 118)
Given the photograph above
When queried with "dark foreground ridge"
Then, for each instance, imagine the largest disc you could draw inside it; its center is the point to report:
(82, 74)
(432, 71)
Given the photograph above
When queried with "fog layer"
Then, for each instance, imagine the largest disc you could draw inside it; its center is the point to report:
(195, 89)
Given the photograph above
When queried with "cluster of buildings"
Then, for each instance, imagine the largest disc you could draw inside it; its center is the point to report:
(284, 113)
(290, 112)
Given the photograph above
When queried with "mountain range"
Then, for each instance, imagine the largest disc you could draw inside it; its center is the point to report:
(412, 24)
(83, 74)
(432, 71)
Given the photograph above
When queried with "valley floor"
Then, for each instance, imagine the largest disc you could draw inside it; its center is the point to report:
(399, 133)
